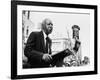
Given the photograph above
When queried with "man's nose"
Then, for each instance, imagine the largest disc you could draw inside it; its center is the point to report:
(50, 27)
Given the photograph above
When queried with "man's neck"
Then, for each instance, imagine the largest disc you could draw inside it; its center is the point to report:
(45, 34)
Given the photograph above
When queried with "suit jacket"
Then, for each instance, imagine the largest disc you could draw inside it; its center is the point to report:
(34, 50)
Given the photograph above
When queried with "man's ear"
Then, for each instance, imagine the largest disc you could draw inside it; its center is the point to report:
(42, 25)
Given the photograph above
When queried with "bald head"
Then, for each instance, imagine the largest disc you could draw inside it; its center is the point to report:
(47, 26)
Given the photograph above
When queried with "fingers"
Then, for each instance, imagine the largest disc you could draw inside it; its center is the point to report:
(47, 57)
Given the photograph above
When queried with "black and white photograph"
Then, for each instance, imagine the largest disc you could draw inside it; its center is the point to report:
(54, 38)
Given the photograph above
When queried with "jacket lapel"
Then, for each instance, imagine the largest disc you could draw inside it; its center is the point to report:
(42, 41)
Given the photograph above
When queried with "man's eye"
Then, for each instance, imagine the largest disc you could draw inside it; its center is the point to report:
(50, 24)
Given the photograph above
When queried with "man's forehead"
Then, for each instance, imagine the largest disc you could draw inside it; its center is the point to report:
(47, 21)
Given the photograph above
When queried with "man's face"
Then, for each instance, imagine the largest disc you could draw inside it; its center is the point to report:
(48, 26)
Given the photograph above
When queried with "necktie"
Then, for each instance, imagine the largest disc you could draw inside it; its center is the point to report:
(47, 43)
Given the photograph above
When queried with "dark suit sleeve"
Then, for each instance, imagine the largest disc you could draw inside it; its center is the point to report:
(30, 51)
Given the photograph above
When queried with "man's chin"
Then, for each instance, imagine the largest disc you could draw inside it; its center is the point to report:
(50, 32)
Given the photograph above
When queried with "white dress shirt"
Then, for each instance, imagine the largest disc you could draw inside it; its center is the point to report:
(44, 37)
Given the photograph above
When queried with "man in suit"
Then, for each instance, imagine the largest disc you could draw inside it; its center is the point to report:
(38, 46)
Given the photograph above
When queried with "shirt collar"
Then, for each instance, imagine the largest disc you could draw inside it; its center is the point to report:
(44, 34)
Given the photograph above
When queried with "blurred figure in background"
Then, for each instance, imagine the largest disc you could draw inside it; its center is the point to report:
(85, 61)
(75, 47)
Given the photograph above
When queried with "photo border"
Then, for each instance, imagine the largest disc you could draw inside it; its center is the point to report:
(14, 38)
